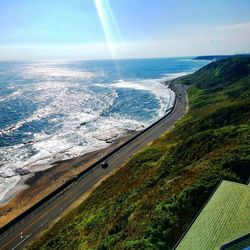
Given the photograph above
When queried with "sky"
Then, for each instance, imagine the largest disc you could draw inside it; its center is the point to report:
(99, 29)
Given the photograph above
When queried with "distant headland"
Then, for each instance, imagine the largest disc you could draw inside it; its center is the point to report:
(217, 57)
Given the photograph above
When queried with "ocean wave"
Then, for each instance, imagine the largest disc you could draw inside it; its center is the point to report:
(11, 96)
(82, 128)
(6, 185)
(72, 109)
(164, 95)
(173, 76)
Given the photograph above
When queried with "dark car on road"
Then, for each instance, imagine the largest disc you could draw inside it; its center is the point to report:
(105, 165)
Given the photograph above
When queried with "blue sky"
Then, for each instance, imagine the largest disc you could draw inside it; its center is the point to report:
(32, 29)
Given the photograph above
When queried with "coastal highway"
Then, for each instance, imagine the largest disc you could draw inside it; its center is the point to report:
(25, 230)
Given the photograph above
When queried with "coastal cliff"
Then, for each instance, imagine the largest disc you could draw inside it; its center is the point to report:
(151, 201)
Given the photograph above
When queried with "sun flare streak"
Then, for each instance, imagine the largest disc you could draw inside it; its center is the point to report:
(109, 25)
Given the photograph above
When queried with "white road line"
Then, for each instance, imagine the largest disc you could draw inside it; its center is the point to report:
(24, 239)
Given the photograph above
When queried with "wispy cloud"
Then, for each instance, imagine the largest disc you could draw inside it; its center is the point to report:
(228, 39)
(233, 27)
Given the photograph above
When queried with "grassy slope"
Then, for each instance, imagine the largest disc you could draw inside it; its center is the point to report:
(151, 201)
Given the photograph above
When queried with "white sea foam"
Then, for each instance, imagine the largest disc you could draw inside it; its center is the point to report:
(81, 128)
(164, 95)
(6, 185)
(72, 139)
(173, 76)
(11, 96)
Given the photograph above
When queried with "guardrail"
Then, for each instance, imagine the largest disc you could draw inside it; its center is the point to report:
(64, 186)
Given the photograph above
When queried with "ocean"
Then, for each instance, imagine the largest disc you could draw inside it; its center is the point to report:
(55, 110)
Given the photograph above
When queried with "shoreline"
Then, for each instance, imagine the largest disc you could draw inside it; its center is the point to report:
(37, 185)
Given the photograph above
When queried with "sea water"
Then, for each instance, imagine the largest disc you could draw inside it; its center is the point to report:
(55, 110)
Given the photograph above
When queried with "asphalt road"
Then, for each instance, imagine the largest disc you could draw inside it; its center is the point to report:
(25, 230)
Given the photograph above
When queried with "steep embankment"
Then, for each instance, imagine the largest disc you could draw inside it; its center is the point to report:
(150, 202)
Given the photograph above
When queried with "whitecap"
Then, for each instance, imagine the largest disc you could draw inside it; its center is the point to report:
(164, 95)
(172, 76)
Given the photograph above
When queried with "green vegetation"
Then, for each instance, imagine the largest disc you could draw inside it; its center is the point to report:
(150, 202)
(226, 217)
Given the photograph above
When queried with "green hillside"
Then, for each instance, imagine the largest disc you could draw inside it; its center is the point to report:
(150, 202)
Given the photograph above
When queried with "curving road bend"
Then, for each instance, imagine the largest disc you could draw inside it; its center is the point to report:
(25, 230)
